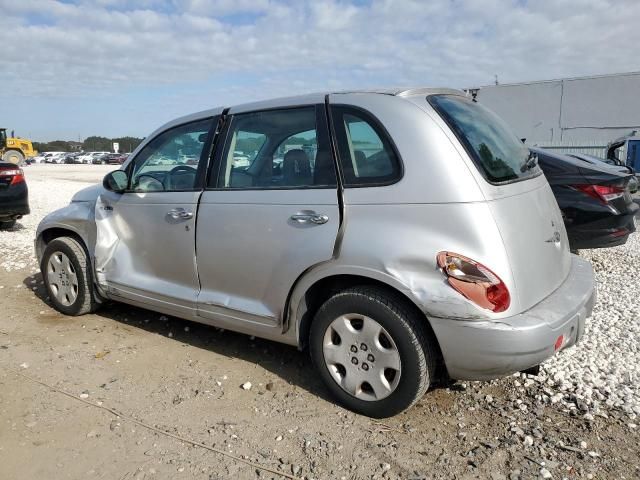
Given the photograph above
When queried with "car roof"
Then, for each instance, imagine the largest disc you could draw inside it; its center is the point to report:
(307, 99)
(312, 98)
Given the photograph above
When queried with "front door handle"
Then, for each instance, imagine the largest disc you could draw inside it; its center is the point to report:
(308, 216)
(180, 214)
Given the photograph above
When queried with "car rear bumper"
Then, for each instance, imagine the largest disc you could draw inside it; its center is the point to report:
(14, 201)
(482, 350)
(606, 232)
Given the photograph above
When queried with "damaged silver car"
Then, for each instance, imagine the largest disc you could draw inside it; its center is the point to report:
(402, 236)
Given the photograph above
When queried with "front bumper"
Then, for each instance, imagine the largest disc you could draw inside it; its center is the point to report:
(486, 349)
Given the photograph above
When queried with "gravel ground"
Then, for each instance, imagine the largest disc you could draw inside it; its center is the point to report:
(604, 372)
(50, 187)
(575, 420)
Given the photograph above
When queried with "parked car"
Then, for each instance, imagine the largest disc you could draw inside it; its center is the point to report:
(85, 157)
(626, 151)
(633, 181)
(453, 258)
(40, 158)
(111, 159)
(54, 157)
(89, 157)
(72, 158)
(14, 195)
(596, 205)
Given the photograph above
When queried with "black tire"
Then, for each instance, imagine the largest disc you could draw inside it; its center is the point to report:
(85, 301)
(408, 329)
(7, 224)
(13, 156)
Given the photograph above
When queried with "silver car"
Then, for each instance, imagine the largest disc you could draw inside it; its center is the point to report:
(401, 236)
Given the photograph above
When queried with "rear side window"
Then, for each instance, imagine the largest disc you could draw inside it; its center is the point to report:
(499, 155)
(366, 153)
(278, 149)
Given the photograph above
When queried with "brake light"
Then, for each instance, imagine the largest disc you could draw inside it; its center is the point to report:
(602, 193)
(474, 281)
(16, 173)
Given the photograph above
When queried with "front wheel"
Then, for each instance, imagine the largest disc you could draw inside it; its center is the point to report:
(373, 351)
(13, 156)
(67, 277)
(7, 224)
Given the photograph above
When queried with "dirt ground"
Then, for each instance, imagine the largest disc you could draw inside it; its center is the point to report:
(143, 386)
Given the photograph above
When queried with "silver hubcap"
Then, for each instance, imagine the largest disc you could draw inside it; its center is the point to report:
(62, 278)
(361, 357)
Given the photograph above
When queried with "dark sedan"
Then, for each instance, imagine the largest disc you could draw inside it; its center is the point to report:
(596, 205)
(14, 196)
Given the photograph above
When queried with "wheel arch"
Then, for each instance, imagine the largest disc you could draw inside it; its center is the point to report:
(312, 290)
(49, 234)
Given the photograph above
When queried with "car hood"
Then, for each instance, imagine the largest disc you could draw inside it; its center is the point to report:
(89, 194)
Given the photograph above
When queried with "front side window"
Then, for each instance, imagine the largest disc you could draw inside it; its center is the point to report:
(170, 161)
(274, 149)
(499, 155)
(366, 154)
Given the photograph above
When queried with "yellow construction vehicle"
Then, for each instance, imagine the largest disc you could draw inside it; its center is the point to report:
(15, 150)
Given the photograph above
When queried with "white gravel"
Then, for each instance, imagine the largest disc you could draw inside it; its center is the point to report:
(50, 187)
(603, 370)
(600, 373)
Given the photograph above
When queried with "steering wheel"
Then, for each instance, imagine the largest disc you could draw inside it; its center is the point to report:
(168, 179)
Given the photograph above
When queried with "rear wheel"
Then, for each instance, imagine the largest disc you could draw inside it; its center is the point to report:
(373, 351)
(67, 277)
(13, 156)
(7, 224)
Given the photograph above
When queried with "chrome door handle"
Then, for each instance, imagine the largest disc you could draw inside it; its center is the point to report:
(180, 214)
(310, 217)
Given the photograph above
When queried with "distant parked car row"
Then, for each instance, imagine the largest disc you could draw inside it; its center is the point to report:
(95, 158)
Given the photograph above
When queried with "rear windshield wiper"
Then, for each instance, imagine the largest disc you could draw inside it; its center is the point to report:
(532, 161)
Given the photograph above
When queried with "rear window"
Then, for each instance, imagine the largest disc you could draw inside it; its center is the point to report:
(499, 155)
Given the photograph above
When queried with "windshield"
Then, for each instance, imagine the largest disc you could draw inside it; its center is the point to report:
(500, 156)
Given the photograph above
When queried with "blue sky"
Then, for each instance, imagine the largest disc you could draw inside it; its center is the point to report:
(71, 69)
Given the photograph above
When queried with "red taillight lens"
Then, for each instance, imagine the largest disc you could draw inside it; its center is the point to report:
(475, 281)
(603, 193)
(16, 173)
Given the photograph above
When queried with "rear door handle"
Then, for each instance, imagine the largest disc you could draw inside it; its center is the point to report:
(180, 214)
(307, 216)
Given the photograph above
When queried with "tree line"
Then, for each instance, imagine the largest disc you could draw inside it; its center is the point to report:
(90, 144)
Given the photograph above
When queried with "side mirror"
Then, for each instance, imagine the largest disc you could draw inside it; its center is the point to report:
(116, 181)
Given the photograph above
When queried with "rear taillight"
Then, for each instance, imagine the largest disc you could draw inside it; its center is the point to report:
(603, 193)
(16, 173)
(475, 281)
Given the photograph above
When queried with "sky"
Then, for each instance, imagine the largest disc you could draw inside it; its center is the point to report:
(74, 68)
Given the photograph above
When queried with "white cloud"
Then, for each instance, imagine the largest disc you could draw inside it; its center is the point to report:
(103, 47)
